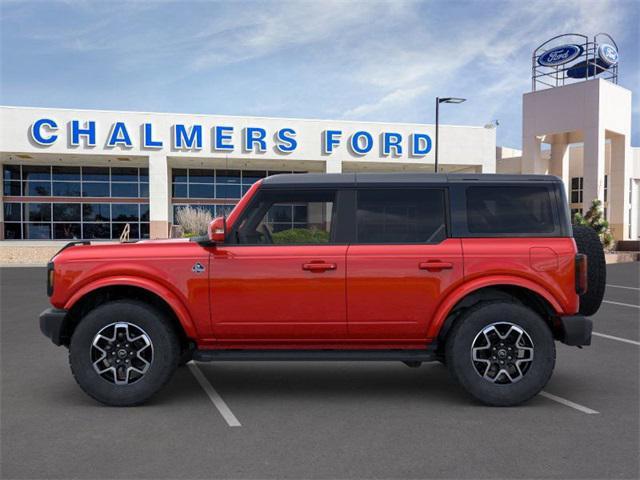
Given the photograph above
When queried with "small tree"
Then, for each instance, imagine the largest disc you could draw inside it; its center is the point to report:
(594, 218)
(194, 221)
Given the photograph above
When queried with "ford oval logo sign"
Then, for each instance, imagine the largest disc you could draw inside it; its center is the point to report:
(608, 54)
(560, 55)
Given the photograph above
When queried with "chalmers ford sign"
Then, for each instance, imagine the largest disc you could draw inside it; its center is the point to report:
(46, 132)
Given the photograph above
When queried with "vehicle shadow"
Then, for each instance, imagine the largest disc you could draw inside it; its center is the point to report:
(356, 380)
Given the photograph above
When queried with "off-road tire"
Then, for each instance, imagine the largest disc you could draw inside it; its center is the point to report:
(588, 243)
(458, 353)
(166, 352)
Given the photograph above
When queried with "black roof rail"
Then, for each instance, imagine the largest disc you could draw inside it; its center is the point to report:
(71, 244)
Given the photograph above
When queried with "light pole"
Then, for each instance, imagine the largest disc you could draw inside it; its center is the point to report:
(438, 102)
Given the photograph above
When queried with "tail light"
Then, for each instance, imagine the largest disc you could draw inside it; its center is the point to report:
(50, 277)
(581, 274)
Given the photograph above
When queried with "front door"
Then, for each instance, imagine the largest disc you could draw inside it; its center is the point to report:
(280, 279)
(401, 265)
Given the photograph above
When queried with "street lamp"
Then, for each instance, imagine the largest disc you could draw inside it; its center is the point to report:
(438, 102)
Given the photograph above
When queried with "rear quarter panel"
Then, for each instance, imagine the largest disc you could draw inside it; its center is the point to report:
(546, 263)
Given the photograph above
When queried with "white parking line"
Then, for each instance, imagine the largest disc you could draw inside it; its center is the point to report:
(619, 339)
(622, 286)
(214, 396)
(569, 403)
(621, 304)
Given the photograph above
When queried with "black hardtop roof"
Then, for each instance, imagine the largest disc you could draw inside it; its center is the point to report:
(396, 179)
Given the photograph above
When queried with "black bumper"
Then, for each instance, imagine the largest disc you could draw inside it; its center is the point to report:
(576, 330)
(53, 324)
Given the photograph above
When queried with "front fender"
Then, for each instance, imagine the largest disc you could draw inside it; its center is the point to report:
(454, 297)
(164, 293)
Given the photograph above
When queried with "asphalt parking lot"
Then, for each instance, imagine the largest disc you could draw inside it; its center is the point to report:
(321, 420)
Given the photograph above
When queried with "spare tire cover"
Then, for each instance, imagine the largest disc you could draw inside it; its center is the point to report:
(588, 243)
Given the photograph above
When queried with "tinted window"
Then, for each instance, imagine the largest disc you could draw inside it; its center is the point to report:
(401, 216)
(66, 189)
(36, 172)
(96, 212)
(95, 189)
(66, 212)
(289, 218)
(12, 189)
(509, 210)
(124, 212)
(124, 189)
(66, 173)
(98, 174)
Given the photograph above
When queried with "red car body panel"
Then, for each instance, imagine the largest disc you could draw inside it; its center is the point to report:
(394, 290)
(163, 268)
(264, 293)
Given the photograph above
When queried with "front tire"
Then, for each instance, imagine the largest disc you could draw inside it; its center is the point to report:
(123, 352)
(501, 353)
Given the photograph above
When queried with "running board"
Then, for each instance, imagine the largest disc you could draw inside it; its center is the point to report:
(426, 355)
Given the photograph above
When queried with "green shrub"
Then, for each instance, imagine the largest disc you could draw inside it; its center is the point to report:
(300, 235)
(594, 218)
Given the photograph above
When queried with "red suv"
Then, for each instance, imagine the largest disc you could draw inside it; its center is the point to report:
(480, 272)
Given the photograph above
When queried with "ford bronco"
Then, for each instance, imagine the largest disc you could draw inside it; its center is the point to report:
(480, 272)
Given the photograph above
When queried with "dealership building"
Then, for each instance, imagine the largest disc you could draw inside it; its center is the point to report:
(90, 174)
(86, 174)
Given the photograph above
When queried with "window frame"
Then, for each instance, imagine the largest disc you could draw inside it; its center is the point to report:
(446, 205)
(339, 225)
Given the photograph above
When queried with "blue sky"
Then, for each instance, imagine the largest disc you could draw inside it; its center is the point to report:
(369, 60)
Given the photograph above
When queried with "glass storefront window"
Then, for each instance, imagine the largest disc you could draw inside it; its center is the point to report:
(96, 212)
(53, 220)
(66, 189)
(66, 173)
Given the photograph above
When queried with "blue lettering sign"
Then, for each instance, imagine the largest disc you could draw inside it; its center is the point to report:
(37, 134)
(119, 136)
(391, 140)
(330, 139)
(286, 140)
(420, 144)
(147, 138)
(89, 131)
(186, 139)
(358, 147)
(222, 137)
(255, 136)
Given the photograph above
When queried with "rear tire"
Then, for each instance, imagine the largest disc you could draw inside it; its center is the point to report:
(588, 243)
(501, 353)
(123, 352)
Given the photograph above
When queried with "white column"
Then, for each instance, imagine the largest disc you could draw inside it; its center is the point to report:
(531, 155)
(333, 165)
(159, 197)
(593, 166)
(619, 186)
(559, 162)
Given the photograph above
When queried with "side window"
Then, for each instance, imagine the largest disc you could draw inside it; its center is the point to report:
(510, 210)
(401, 216)
(289, 218)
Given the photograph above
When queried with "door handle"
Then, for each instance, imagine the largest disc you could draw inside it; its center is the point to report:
(435, 265)
(319, 266)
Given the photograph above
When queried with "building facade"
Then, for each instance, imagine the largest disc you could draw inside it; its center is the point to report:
(87, 174)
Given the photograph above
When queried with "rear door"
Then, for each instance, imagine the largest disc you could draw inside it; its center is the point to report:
(401, 264)
(282, 279)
